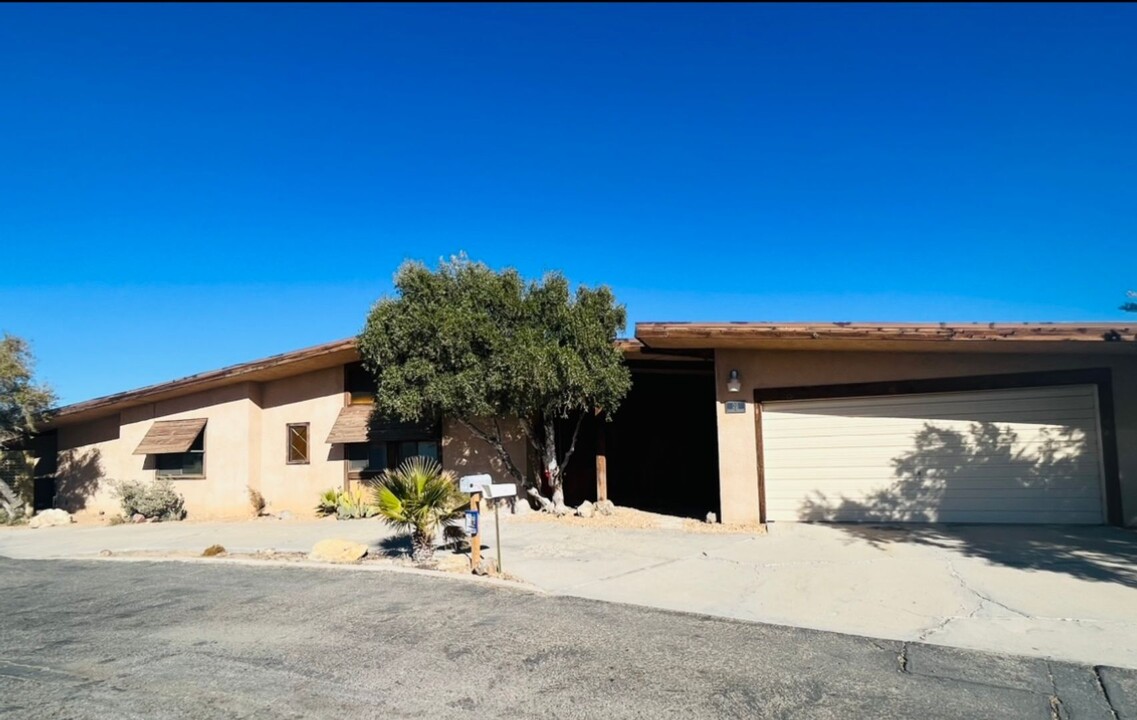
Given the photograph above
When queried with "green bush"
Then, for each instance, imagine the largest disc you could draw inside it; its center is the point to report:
(156, 499)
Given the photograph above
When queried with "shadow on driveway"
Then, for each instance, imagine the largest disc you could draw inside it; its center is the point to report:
(1105, 554)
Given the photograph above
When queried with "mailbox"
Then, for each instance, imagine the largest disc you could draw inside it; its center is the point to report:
(501, 490)
(474, 483)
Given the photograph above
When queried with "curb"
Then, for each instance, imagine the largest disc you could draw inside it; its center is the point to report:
(309, 564)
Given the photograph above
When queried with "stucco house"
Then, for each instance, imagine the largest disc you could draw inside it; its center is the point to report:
(757, 422)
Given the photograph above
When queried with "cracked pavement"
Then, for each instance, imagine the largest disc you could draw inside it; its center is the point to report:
(125, 640)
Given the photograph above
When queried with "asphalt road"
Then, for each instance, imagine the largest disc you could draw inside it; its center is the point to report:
(177, 640)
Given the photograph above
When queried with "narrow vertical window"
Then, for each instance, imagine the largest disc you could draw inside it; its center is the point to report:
(297, 443)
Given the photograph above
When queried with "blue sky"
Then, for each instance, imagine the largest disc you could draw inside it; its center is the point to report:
(184, 187)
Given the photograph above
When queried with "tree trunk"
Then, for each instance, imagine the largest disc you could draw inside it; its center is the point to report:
(422, 546)
(10, 501)
(552, 467)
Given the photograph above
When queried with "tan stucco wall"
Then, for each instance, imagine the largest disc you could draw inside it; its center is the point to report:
(465, 454)
(315, 398)
(738, 456)
(245, 446)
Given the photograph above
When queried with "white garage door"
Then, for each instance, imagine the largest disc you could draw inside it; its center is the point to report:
(996, 456)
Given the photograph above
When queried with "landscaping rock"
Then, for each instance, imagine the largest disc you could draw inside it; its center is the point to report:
(586, 510)
(338, 551)
(712, 518)
(604, 507)
(51, 518)
(488, 566)
(138, 518)
(452, 562)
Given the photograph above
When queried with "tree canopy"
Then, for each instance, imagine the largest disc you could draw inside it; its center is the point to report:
(1131, 305)
(480, 346)
(24, 403)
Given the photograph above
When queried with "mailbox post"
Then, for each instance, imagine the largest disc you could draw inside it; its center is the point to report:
(476, 485)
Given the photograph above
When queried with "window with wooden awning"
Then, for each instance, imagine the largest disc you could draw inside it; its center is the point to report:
(170, 436)
(372, 444)
(178, 447)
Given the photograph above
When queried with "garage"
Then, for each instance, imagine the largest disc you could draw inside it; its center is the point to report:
(1021, 455)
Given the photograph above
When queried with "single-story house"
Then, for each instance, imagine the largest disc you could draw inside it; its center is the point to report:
(757, 422)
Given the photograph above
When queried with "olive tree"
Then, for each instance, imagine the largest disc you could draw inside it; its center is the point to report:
(479, 346)
(23, 404)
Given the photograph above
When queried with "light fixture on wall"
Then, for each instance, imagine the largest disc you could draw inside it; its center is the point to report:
(734, 384)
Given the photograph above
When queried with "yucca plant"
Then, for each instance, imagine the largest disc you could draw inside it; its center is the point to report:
(353, 506)
(329, 502)
(419, 497)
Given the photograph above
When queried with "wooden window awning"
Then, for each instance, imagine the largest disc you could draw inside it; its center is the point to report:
(170, 436)
(356, 425)
(351, 425)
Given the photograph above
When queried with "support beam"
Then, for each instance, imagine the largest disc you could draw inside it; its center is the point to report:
(601, 459)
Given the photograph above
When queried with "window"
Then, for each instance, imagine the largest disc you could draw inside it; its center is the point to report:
(359, 383)
(190, 463)
(297, 444)
(379, 456)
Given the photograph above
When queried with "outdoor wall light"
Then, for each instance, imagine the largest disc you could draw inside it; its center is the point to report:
(734, 384)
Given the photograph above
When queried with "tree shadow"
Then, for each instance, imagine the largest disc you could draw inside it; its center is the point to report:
(949, 470)
(77, 478)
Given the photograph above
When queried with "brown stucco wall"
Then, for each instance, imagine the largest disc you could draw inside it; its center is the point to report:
(465, 454)
(738, 457)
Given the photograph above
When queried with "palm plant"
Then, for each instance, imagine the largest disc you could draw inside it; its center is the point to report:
(419, 497)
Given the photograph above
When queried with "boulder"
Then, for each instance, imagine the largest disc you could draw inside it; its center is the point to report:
(452, 562)
(137, 518)
(712, 518)
(586, 510)
(51, 518)
(604, 507)
(488, 566)
(338, 551)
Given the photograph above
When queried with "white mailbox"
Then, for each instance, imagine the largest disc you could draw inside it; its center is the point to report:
(474, 483)
(501, 490)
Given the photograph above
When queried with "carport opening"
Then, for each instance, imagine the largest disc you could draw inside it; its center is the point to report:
(661, 446)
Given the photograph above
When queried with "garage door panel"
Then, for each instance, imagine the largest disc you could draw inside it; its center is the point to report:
(1070, 440)
(936, 456)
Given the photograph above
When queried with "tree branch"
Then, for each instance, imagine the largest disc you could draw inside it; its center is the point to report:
(572, 447)
(498, 446)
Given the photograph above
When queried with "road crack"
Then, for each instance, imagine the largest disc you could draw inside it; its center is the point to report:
(1104, 692)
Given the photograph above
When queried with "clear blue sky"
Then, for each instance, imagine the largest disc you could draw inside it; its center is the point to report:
(184, 187)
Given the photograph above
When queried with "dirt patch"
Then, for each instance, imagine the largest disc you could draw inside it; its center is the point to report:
(625, 518)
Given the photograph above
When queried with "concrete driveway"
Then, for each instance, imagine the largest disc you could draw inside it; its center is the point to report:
(1061, 593)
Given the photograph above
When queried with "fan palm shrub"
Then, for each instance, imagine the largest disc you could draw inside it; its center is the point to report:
(419, 497)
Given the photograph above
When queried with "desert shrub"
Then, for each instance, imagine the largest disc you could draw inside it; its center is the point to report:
(116, 520)
(329, 502)
(156, 499)
(213, 550)
(353, 506)
(257, 501)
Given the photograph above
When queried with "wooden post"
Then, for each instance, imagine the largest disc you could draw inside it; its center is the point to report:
(476, 539)
(601, 459)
